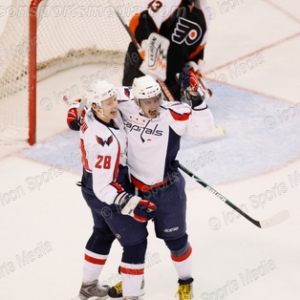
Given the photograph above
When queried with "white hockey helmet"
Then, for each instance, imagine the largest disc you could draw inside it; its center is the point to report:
(145, 87)
(100, 90)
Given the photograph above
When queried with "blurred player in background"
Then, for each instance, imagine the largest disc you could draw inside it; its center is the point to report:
(116, 212)
(173, 35)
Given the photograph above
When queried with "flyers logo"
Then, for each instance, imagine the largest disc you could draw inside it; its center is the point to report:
(103, 142)
(186, 31)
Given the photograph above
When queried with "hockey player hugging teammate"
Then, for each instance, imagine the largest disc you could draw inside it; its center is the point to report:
(154, 128)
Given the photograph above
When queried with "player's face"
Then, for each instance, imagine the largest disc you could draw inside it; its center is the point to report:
(110, 107)
(150, 106)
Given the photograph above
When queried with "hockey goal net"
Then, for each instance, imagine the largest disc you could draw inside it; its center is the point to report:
(42, 37)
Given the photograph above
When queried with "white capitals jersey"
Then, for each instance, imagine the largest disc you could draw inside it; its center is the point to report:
(103, 148)
(153, 144)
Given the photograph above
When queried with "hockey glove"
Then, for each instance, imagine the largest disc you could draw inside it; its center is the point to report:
(189, 83)
(197, 69)
(72, 119)
(187, 80)
(76, 112)
(141, 210)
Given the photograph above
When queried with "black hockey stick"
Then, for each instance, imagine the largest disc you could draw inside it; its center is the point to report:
(273, 221)
(133, 39)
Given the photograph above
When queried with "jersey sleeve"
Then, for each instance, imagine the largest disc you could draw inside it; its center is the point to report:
(101, 158)
(185, 120)
(104, 188)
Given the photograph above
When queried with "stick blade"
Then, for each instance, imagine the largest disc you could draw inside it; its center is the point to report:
(81, 106)
(275, 220)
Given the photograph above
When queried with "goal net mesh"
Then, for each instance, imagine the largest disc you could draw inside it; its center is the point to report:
(69, 33)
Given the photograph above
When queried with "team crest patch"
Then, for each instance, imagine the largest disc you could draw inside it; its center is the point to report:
(186, 32)
(103, 142)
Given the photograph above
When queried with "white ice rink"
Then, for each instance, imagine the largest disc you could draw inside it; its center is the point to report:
(252, 64)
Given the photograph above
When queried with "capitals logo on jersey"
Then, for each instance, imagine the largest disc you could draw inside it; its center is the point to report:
(186, 31)
(143, 129)
(103, 142)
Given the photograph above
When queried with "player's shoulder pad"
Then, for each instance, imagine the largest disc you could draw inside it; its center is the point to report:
(178, 107)
(178, 110)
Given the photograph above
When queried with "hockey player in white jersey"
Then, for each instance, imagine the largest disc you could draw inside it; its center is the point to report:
(116, 212)
(154, 128)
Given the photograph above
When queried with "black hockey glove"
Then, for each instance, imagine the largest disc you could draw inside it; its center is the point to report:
(141, 210)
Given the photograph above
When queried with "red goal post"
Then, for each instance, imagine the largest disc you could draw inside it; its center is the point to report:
(42, 37)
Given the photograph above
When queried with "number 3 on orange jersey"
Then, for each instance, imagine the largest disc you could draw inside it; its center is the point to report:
(155, 5)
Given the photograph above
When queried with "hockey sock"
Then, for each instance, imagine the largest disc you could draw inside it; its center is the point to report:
(181, 254)
(132, 276)
(93, 265)
(183, 263)
(132, 268)
(96, 253)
